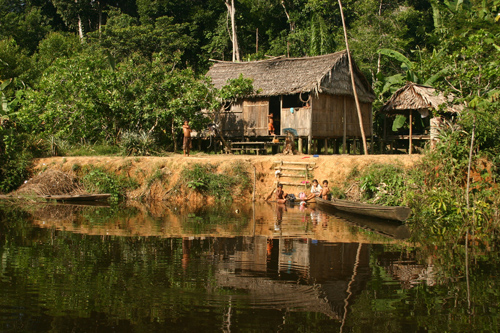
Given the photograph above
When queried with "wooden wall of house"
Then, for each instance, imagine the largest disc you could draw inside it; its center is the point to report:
(246, 118)
(328, 114)
(323, 119)
(232, 120)
(300, 120)
(255, 112)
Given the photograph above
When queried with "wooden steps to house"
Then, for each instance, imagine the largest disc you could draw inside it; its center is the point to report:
(299, 171)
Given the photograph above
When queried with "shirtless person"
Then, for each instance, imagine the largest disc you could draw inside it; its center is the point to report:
(280, 195)
(186, 143)
(270, 125)
(325, 192)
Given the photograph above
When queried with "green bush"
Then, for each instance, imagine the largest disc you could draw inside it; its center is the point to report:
(137, 144)
(14, 170)
(384, 184)
(99, 181)
(15, 159)
(224, 186)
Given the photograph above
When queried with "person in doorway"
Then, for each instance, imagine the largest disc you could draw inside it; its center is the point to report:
(280, 194)
(325, 191)
(315, 190)
(270, 125)
(186, 143)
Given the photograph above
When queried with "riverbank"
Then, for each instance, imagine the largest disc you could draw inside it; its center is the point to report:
(170, 185)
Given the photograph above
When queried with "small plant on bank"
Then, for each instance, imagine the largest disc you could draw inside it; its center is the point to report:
(337, 192)
(99, 181)
(158, 175)
(137, 144)
(205, 179)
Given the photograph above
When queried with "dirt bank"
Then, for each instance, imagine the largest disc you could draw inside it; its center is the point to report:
(334, 168)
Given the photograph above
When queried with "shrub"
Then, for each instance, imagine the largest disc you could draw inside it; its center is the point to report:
(100, 181)
(142, 143)
(204, 179)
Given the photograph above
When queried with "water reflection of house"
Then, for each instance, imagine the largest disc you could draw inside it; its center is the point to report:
(407, 270)
(301, 275)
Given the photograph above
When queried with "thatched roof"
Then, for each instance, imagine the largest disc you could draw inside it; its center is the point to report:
(417, 97)
(327, 74)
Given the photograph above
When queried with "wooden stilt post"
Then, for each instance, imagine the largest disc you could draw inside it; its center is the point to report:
(344, 142)
(411, 132)
(384, 140)
(300, 145)
(326, 146)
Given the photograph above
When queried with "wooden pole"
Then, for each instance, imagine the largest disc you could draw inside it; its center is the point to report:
(353, 82)
(254, 184)
(257, 40)
(411, 132)
(344, 142)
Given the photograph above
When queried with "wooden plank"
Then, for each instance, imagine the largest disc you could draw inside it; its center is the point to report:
(406, 137)
(295, 163)
(248, 148)
(293, 184)
(249, 143)
(294, 169)
(291, 176)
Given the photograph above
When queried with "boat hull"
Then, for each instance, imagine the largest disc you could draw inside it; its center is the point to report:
(396, 213)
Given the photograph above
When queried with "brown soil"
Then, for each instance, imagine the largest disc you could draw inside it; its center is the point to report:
(334, 168)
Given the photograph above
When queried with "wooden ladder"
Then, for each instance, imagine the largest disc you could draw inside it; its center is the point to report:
(298, 171)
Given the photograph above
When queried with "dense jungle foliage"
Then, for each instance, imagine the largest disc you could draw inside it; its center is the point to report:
(126, 74)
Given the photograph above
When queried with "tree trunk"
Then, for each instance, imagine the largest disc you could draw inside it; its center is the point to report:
(232, 11)
(173, 136)
(100, 17)
(80, 26)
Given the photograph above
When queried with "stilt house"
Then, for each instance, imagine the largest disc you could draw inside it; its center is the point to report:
(312, 95)
(424, 109)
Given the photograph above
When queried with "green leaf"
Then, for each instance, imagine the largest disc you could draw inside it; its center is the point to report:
(399, 121)
(397, 56)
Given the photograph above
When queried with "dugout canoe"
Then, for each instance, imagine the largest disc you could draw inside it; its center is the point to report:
(396, 213)
(62, 198)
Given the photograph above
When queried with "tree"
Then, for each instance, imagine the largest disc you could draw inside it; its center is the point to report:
(231, 12)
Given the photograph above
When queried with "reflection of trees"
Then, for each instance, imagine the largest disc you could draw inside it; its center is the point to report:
(81, 280)
(443, 307)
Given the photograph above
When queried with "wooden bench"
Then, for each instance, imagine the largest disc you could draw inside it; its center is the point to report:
(258, 147)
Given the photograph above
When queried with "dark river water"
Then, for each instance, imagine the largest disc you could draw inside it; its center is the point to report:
(250, 268)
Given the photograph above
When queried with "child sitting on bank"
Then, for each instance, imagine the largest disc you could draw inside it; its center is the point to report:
(325, 191)
(315, 190)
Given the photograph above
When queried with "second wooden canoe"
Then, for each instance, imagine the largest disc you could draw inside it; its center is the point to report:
(397, 213)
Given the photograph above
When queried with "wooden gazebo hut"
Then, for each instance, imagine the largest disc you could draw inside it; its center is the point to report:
(312, 95)
(416, 101)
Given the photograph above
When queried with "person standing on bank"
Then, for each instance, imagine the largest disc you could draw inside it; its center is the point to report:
(186, 143)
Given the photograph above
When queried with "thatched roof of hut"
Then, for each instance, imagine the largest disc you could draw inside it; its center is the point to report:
(328, 74)
(417, 97)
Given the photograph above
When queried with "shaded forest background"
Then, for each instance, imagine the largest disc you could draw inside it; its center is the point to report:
(121, 76)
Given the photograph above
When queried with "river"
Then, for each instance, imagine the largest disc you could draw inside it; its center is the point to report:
(252, 267)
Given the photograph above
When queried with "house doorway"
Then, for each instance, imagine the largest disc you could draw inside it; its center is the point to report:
(275, 111)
